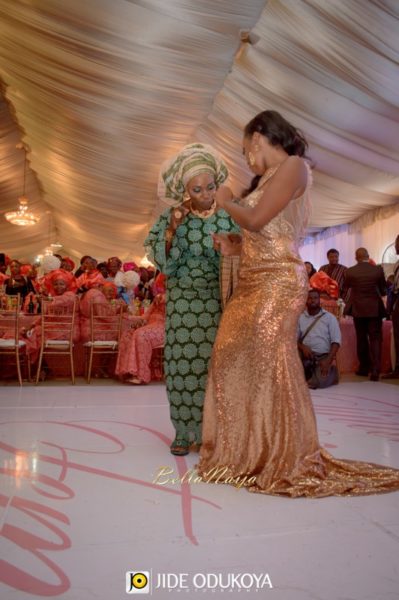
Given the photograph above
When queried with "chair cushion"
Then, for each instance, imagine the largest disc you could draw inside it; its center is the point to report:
(10, 343)
(57, 343)
(102, 344)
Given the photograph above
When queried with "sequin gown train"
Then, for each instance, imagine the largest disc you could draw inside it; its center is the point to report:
(258, 415)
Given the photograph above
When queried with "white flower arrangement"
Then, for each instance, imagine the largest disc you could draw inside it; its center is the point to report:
(130, 279)
(50, 263)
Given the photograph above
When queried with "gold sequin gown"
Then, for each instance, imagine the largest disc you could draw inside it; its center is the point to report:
(258, 414)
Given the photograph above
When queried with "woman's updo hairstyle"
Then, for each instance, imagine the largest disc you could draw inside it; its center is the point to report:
(278, 131)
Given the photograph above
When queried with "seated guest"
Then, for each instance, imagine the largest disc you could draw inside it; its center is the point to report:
(143, 289)
(333, 269)
(67, 264)
(102, 267)
(30, 273)
(4, 262)
(136, 346)
(328, 289)
(130, 281)
(104, 295)
(61, 290)
(16, 283)
(49, 263)
(319, 338)
(81, 270)
(91, 277)
(310, 269)
(115, 273)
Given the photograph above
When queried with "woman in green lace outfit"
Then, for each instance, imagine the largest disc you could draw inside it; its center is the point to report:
(181, 245)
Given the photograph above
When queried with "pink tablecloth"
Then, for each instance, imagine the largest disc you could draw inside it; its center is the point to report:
(347, 358)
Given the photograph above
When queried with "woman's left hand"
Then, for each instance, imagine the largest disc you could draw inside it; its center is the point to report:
(225, 245)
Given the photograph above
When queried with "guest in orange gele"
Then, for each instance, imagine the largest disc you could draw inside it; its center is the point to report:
(136, 345)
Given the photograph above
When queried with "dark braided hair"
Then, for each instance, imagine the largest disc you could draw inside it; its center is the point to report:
(278, 131)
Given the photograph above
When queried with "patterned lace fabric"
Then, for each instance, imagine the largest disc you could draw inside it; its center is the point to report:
(258, 415)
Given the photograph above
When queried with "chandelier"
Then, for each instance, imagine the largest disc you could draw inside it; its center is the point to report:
(22, 216)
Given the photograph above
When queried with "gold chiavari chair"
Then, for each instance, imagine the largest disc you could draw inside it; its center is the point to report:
(157, 362)
(10, 344)
(105, 332)
(57, 332)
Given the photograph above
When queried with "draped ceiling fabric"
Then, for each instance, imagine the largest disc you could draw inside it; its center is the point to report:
(103, 91)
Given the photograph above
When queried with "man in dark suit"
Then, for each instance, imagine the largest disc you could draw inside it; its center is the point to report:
(366, 284)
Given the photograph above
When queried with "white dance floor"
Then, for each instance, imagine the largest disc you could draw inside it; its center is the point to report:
(80, 509)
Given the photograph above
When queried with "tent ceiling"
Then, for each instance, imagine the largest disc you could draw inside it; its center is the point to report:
(104, 90)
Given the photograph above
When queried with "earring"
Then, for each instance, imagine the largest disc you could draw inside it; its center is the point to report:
(251, 159)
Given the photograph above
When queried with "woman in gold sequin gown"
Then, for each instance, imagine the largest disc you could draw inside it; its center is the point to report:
(258, 415)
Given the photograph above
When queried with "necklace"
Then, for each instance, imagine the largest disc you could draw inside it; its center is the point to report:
(205, 213)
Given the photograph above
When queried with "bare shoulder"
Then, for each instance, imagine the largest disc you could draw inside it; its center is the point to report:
(294, 166)
(293, 174)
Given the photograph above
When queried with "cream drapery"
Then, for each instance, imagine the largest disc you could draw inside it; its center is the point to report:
(105, 90)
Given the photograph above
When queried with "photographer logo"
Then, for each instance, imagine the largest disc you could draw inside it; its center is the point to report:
(137, 582)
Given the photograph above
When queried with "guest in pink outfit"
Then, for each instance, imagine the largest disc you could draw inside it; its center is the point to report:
(61, 288)
(104, 295)
(136, 346)
(91, 278)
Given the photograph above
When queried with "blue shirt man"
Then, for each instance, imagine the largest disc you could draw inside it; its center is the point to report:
(319, 345)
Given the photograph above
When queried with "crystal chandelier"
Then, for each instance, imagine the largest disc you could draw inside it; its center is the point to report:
(22, 216)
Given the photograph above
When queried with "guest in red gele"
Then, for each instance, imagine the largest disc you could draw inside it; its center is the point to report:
(136, 345)
(67, 264)
(61, 286)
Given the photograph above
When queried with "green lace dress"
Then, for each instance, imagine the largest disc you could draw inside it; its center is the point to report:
(192, 312)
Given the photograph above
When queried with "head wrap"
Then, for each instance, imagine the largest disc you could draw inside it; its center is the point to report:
(323, 283)
(109, 285)
(25, 269)
(59, 274)
(130, 266)
(191, 161)
(69, 261)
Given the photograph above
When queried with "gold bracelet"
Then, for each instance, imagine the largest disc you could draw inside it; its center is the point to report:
(169, 235)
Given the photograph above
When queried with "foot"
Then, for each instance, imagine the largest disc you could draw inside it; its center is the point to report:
(135, 381)
(374, 377)
(392, 375)
(180, 448)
